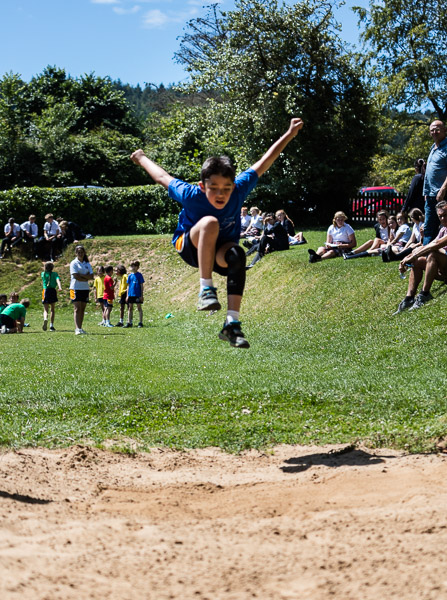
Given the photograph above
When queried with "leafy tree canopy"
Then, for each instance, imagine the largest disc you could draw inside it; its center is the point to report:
(407, 40)
(263, 63)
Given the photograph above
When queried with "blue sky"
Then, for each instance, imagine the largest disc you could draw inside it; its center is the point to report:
(131, 40)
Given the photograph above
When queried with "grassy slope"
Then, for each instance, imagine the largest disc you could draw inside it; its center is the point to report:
(327, 362)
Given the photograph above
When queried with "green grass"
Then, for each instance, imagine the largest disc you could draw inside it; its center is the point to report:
(328, 363)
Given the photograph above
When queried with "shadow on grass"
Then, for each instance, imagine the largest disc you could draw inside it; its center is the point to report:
(333, 458)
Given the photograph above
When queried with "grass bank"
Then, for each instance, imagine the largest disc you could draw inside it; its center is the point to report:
(327, 363)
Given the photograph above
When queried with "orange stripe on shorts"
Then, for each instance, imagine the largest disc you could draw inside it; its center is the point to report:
(179, 243)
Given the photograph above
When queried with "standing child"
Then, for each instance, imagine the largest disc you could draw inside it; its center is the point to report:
(135, 287)
(50, 280)
(109, 295)
(121, 273)
(207, 235)
(98, 291)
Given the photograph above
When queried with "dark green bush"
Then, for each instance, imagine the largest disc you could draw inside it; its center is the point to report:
(98, 211)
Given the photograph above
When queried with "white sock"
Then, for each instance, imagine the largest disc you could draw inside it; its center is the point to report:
(205, 283)
(232, 315)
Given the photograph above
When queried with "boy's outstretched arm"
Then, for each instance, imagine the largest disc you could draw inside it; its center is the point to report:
(158, 174)
(275, 150)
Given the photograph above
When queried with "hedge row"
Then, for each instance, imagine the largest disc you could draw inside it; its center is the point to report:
(98, 211)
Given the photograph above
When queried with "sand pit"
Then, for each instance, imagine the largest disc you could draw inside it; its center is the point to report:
(296, 523)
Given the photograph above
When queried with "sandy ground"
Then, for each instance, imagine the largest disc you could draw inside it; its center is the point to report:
(296, 523)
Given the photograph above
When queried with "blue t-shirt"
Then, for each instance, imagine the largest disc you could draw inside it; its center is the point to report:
(436, 171)
(196, 206)
(134, 281)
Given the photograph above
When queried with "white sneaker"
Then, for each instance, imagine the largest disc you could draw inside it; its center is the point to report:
(78, 331)
(101, 324)
(83, 332)
(3, 329)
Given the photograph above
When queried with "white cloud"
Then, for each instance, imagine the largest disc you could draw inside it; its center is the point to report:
(154, 19)
(105, 1)
(126, 11)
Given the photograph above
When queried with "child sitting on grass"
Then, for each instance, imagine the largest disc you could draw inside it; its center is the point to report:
(50, 280)
(109, 295)
(208, 231)
(135, 288)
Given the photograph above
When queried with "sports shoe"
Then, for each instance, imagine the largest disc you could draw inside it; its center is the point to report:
(208, 299)
(78, 331)
(420, 300)
(108, 325)
(128, 325)
(52, 328)
(4, 329)
(101, 324)
(232, 333)
(404, 305)
(45, 324)
(120, 324)
(140, 325)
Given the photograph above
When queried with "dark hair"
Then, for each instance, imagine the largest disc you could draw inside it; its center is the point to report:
(417, 214)
(135, 263)
(80, 246)
(49, 266)
(419, 165)
(218, 165)
(3, 297)
(441, 205)
(121, 270)
(109, 269)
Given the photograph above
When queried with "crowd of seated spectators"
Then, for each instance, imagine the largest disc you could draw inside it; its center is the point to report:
(56, 235)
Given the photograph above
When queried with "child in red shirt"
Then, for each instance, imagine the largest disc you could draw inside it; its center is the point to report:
(109, 295)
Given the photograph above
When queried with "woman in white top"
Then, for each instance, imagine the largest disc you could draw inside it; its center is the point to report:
(81, 273)
(340, 238)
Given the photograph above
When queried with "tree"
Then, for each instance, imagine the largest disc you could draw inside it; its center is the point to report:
(19, 160)
(263, 63)
(407, 40)
(60, 131)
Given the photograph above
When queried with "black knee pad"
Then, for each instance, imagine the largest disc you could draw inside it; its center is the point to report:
(235, 257)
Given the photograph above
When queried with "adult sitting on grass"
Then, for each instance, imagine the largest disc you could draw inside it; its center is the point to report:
(375, 246)
(12, 318)
(430, 258)
(340, 238)
(208, 231)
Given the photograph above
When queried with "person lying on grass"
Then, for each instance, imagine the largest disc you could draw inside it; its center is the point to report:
(340, 238)
(208, 231)
(430, 258)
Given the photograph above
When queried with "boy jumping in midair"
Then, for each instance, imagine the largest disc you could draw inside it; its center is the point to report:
(207, 234)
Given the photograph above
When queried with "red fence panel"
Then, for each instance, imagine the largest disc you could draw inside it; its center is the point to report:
(364, 207)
